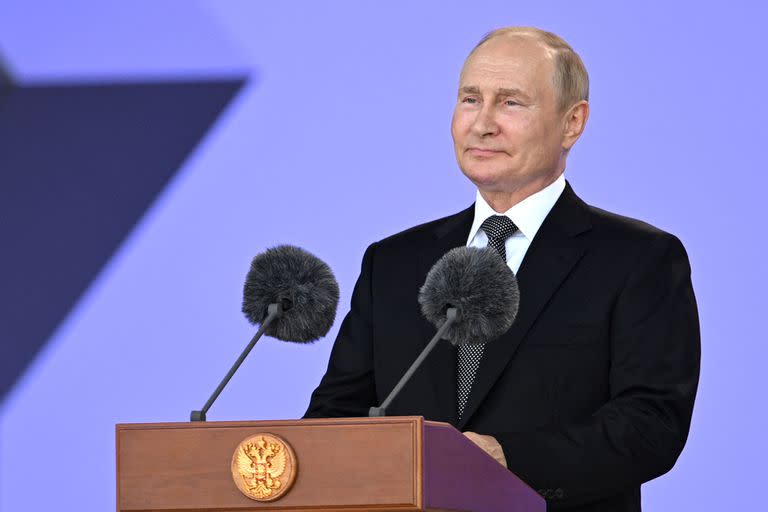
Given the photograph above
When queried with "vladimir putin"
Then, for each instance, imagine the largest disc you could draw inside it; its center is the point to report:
(590, 393)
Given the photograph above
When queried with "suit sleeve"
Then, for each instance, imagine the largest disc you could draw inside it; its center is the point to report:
(347, 388)
(639, 433)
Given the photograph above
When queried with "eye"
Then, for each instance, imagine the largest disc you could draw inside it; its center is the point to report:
(511, 103)
(470, 100)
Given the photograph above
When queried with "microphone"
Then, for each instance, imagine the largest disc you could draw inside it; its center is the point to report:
(292, 294)
(471, 296)
(480, 285)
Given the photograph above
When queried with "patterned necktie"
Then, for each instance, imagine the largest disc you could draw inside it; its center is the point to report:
(498, 228)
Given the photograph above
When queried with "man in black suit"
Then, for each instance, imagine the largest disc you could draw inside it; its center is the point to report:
(590, 393)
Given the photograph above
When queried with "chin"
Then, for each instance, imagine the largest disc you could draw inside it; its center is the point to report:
(484, 177)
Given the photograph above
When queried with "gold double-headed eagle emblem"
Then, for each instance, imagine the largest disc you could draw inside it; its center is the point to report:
(264, 467)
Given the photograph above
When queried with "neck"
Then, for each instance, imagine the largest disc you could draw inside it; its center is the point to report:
(503, 200)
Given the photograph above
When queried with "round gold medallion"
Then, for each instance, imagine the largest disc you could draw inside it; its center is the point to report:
(264, 467)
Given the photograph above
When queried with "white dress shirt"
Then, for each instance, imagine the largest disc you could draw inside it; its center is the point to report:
(527, 215)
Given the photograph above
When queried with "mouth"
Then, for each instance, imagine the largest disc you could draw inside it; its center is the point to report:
(483, 152)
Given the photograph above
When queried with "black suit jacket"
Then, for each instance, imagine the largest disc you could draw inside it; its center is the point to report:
(590, 392)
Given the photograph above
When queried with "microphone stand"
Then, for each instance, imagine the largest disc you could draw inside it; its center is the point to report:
(451, 315)
(274, 311)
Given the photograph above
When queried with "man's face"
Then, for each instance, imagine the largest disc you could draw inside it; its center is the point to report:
(507, 129)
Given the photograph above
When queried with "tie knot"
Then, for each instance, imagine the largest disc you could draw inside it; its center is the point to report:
(498, 227)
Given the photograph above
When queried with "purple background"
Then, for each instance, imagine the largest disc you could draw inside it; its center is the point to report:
(343, 139)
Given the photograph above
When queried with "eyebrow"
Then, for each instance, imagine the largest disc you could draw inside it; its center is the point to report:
(501, 91)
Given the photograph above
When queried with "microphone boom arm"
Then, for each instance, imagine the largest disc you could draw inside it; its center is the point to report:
(452, 315)
(273, 311)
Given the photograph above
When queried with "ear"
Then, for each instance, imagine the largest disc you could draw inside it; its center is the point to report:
(574, 121)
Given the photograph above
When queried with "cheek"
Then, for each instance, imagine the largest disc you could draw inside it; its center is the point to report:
(526, 135)
(517, 129)
(458, 126)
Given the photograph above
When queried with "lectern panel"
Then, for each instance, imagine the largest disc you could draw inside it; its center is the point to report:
(373, 464)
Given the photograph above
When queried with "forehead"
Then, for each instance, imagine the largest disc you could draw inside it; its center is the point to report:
(510, 61)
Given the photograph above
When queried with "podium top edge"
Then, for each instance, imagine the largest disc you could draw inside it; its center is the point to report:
(417, 420)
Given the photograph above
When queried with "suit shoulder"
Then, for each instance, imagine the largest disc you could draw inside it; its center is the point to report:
(610, 224)
(634, 236)
(421, 233)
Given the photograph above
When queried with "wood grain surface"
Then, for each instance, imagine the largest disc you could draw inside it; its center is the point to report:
(343, 464)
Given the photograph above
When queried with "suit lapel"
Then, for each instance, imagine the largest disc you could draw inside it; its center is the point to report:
(441, 363)
(548, 261)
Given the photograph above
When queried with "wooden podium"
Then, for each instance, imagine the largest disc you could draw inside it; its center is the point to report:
(347, 464)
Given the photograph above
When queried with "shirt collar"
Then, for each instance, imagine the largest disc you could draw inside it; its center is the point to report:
(528, 214)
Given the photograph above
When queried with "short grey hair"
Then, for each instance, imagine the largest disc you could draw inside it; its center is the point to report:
(570, 78)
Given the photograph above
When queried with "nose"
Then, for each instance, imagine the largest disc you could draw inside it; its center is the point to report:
(485, 122)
